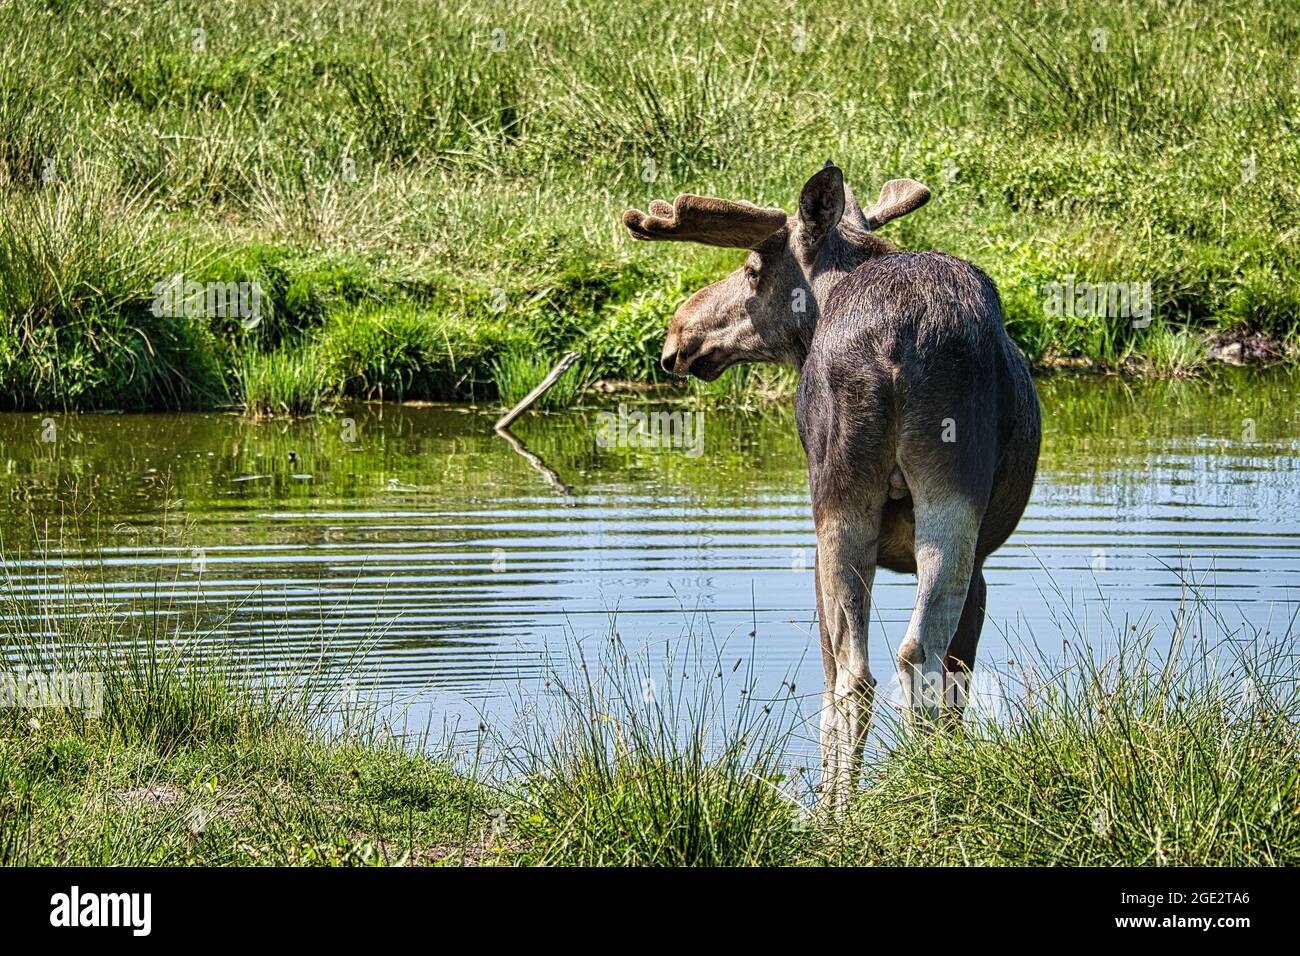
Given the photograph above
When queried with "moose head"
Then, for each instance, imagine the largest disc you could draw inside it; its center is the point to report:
(767, 309)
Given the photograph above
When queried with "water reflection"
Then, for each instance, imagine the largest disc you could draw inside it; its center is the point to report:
(449, 554)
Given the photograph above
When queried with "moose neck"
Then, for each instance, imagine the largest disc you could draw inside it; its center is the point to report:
(846, 248)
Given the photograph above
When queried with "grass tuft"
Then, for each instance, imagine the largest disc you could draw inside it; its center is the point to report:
(287, 381)
(634, 769)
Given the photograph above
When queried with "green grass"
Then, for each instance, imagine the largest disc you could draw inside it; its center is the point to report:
(636, 768)
(416, 165)
(1171, 350)
(1117, 763)
(288, 381)
(745, 386)
(197, 760)
(1114, 753)
(78, 263)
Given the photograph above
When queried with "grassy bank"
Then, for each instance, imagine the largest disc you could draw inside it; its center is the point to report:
(1112, 755)
(428, 193)
(188, 758)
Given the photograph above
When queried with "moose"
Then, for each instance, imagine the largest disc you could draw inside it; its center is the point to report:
(916, 410)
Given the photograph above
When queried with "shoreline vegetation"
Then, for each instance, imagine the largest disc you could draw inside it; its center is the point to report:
(1153, 744)
(427, 202)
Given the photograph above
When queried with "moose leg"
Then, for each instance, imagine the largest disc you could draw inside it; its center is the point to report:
(960, 663)
(828, 720)
(847, 539)
(946, 531)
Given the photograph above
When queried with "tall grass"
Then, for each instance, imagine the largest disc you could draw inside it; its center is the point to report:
(78, 267)
(1142, 755)
(1157, 746)
(287, 381)
(1172, 350)
(463, 153)
(167, 678)
(436, 101)
(203, 756)
(637, 765)
(746, 386)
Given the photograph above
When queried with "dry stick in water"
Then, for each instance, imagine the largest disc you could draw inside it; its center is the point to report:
(551, 378)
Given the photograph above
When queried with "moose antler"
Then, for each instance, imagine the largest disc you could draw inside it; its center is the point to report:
(708, 221)
(898, 197)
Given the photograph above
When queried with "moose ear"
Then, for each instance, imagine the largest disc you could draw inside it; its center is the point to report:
(898, 197)
(821, 203)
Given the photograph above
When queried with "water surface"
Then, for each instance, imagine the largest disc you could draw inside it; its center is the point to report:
(460, 562)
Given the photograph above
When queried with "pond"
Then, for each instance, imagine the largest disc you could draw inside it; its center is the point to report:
(462, 564)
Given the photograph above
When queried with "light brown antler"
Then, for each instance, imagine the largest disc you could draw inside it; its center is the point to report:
(708, 221)
(898, 197)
